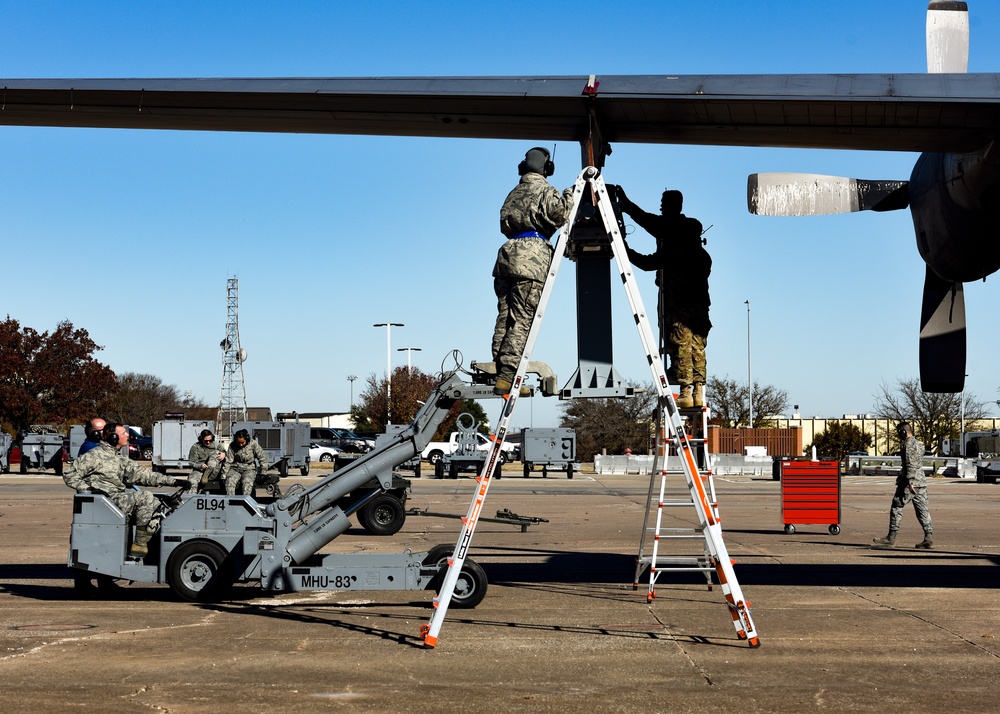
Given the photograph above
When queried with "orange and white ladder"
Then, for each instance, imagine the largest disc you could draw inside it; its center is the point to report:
(704, 506)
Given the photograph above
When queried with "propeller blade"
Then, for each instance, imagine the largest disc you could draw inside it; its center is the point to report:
(947, 37)
(942, 335)
(793, 194)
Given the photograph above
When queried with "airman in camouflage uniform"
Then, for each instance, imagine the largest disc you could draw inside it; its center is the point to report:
(530, 215)
(240, 467)
(104, 470)
(911, 485)
(206, 460)
(683, 266)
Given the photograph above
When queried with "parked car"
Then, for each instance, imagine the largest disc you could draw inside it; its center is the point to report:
(341, 439)
(364, 443)
(143, 445)
(322, 454)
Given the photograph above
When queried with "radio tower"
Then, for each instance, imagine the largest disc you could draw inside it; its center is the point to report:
(233, 403)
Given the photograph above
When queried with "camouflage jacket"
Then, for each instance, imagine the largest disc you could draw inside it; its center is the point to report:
(243, 459)
(105, 470)
(912, 473)
(535, 205)
(207, 455)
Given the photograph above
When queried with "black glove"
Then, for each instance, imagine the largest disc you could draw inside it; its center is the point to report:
(182, 483)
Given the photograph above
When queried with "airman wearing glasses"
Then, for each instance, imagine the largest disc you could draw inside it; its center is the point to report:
(206, 460)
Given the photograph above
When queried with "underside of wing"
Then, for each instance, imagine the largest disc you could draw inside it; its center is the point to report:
(903, 112)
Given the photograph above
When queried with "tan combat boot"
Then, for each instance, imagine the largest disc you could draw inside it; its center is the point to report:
(699, 394)
(139, 543)
(503, 386)
(888, 542)
(686, 399)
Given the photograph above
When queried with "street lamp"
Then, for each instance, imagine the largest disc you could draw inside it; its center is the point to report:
(388, 366)
(749, 372)
(409, 352)
(961, 437)
(351, 378)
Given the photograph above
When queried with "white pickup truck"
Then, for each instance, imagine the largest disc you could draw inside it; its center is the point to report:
(436, 449)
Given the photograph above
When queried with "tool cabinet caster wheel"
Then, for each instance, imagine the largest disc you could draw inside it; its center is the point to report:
(789, 529)
(834, 529)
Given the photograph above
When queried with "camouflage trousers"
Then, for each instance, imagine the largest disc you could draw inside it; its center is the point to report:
(517, 301)
(141, 508)
(899, 501)
(687, 354)
(198, 478)
(518, 276)
(245, 478)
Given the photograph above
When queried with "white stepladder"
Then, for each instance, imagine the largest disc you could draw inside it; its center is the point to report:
(668, 493)
(708, 519)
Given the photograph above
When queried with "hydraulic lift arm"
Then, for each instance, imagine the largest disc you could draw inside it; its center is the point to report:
(319, 501)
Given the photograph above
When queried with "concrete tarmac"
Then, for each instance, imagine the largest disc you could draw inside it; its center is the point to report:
(842, 626)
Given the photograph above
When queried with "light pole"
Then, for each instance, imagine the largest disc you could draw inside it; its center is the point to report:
(409, 352)
(961, 437)
(388, 366)
(749, 371)
(351, 378)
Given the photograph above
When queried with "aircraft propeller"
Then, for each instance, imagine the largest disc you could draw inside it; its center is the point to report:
(942, 315)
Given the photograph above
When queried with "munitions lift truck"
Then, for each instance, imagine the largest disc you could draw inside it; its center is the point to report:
(207, 543)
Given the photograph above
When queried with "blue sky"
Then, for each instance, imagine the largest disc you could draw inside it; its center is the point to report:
(132, 235)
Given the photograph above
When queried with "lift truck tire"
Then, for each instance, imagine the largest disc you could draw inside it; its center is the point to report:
(384, 515)
(472, 581)
(200, 570)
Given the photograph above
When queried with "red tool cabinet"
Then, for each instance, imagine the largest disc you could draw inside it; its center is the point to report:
(810, 493)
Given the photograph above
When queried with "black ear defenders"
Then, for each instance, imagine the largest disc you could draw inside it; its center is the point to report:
(110, 434)
(537, 160)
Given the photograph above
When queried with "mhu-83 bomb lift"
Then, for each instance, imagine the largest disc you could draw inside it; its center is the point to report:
(207, 543)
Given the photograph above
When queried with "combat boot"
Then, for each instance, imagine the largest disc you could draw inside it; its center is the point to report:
(685, 400)
(888, 542)
(503, 386)
(139, 543)
(699, 394)
(927, 543)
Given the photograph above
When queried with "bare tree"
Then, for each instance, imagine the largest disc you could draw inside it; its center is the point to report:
(934, 415)
(410, 388)
(613, 424)
(839, 440)
(142, 399)
(730, 402)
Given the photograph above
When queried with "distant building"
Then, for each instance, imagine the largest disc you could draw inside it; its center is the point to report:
(790, 436)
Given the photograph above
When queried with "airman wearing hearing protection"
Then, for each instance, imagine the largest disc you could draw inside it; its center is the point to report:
(106, 471)
(531, 214)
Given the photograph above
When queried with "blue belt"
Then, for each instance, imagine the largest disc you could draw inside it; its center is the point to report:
(528, 234)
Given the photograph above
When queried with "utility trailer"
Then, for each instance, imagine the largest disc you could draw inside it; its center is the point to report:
(42, 448)
(5, 442)
(206, 543)
(172, 442)
(548, 448)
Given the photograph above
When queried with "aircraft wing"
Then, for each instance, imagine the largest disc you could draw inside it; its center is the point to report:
(898, 112)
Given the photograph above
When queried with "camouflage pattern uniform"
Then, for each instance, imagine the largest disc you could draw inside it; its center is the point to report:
(683, 266)
(533, 207)
(240, 467)
(912, 474)
(204, 455)
(104, 470)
